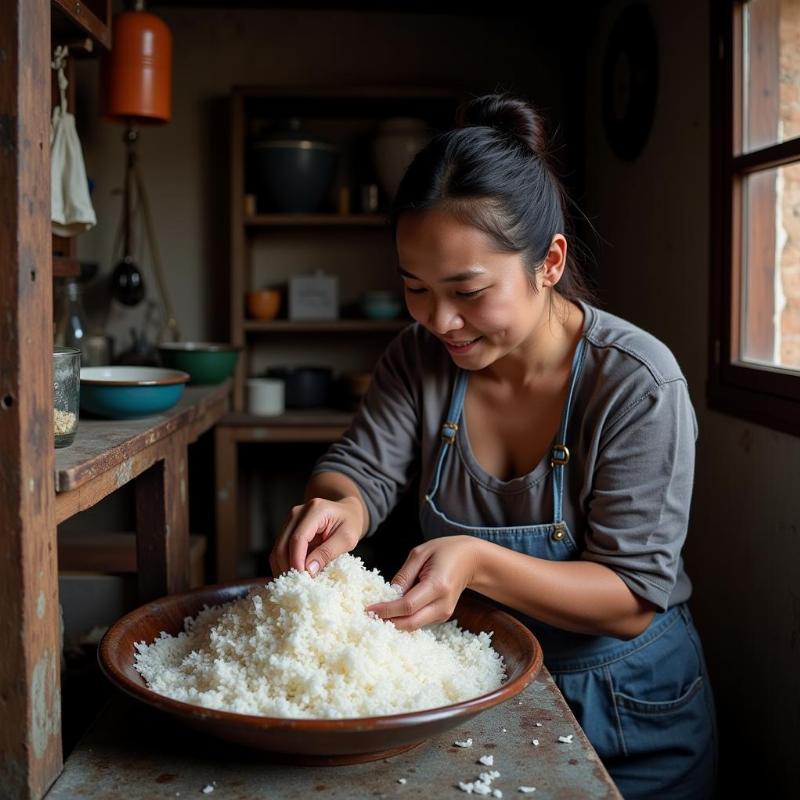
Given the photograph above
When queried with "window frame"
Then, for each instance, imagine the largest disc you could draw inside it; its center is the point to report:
(767, 396)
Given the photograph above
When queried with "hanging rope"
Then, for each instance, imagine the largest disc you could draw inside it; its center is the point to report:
(60, 56)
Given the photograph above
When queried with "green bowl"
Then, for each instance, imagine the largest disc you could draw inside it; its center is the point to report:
(206, 362)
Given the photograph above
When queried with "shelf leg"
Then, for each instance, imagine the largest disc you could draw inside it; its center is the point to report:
(162, 525)
(227, 505)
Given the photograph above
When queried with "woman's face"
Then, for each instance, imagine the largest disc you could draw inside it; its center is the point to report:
(478, 301)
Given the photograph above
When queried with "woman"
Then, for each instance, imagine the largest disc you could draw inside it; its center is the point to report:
(555, 449)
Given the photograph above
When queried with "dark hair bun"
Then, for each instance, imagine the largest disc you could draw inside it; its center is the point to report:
(511, 116)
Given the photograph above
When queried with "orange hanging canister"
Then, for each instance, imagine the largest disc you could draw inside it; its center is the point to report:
(137, 74)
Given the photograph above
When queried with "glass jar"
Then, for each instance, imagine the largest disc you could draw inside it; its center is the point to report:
(66, 393)
(71, 316)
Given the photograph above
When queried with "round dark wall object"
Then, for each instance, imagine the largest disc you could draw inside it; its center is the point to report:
(630, 81)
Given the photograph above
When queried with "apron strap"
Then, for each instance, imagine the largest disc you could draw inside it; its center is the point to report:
(560, 454)
(450, 426)
(559, 458)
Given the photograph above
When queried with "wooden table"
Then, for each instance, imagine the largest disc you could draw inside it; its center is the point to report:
(137, 753)
(151, 452)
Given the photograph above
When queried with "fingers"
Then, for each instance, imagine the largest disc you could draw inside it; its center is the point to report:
(429, 615)
(341, 540)
(279, 557)
(429, 591)
(408, 574)
(302, 535)
(403, 580)
(423, 605)
(422, 595)
(315, 533)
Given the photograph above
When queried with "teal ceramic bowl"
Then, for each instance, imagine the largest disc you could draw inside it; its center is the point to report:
(381, 305)
(130, 392)
(206, 362)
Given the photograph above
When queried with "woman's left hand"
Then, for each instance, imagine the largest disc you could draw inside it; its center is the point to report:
(432, 579)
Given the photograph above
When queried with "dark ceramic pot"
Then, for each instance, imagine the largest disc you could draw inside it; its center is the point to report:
(292, 173)
(305, 387)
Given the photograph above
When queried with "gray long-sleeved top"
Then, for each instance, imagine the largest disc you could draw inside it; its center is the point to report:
(631, 439)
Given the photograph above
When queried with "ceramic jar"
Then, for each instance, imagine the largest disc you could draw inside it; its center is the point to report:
(397, 141)
(266, 396)
(292, 172)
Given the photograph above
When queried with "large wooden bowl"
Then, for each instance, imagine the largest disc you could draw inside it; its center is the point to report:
(314, 741)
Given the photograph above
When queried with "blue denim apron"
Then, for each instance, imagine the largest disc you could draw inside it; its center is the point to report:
(645, 704)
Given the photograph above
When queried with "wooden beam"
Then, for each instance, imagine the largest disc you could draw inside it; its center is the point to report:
(226, 504)
(115, 553)
(238, 246)
(162, 525)
(30, 712)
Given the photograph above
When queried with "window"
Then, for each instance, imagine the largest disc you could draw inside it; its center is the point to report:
(754, 359)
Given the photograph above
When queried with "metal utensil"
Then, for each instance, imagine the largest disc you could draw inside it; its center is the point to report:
(127, 282)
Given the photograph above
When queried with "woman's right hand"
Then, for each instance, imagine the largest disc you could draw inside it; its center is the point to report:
(317, 532)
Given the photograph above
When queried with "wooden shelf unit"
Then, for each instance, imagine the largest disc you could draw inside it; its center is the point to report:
(356, 111)
(73, 19)
(350, 116)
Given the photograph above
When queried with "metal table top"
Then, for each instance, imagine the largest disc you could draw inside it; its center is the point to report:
(134, 752)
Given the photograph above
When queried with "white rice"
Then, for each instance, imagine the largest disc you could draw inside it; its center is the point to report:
(304, 647)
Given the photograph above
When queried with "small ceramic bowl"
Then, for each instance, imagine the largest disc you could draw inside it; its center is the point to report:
(381, 305)
(130, 392)
(206, 362)
(357, 383)
(263, 303)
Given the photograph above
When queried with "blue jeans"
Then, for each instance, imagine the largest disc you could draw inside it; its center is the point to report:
(646, 706)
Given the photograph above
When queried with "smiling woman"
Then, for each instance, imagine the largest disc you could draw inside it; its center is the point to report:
(485, 310)
(554, 447)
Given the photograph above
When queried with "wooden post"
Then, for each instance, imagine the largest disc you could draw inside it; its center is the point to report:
(162, 525)
(30, 702)
(238, 247)
(226, 504)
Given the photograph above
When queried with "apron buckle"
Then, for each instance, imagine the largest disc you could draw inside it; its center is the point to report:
(560, 455)
(449, 432)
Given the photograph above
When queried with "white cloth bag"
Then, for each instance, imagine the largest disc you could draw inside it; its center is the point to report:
(71, 207)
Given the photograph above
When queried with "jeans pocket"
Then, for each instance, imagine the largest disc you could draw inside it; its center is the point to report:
(660, 707)
(669, 745)
(677, 729)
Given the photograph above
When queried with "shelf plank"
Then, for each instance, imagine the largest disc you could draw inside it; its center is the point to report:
(310, 417)
(115, 553)
(64, 267)
(317, 220)
(311, 92)
(326, 326)
(101, 445)
(74, 18)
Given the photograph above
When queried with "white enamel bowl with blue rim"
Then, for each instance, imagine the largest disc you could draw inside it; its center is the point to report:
(130, 392)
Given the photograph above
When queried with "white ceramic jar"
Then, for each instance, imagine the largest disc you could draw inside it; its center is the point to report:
(265, 396)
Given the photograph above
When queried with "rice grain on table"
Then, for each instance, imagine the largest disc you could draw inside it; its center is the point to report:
(305, 647)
